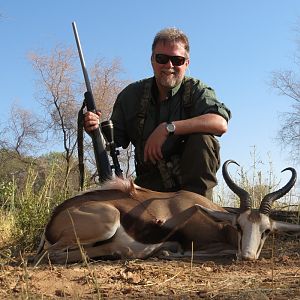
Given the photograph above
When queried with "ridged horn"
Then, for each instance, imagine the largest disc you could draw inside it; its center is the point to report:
(245, 200)
(267, 201)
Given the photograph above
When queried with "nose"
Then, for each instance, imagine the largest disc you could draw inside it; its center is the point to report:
(169, 64)
(248, 256)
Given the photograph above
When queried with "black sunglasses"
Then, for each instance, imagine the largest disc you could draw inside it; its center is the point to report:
(164, 58)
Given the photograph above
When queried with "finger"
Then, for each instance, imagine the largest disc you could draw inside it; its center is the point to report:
(158, 153)
(91, 113)
(149, 154)
(91, 124)
(91, 118)
(155, 155)
(91, 121)
(92, 128)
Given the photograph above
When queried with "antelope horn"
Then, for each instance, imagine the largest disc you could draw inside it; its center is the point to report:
(267, 201)
(245, 200)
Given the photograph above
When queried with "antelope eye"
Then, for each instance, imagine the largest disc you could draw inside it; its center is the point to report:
(238, 227)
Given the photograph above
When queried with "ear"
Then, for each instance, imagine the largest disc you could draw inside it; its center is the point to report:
(187, 62)
(152, 58)
(218, 215)
(285, 227)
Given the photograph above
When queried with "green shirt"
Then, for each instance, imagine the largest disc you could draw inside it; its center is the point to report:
(127, 106)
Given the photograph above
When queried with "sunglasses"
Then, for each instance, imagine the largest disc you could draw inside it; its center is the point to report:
(164, 58)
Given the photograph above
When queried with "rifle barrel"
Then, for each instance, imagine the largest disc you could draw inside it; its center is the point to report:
(84, 70)
(102, 161)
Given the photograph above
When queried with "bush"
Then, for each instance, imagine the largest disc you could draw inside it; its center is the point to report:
(31, 209)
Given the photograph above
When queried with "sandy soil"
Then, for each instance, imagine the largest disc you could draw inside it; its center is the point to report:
(275, 276)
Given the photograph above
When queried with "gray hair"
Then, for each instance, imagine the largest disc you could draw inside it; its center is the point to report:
(171, 35)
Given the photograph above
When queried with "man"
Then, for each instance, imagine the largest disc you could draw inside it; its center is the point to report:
(171, 120)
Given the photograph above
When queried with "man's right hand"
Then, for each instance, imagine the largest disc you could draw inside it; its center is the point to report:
(91, 121)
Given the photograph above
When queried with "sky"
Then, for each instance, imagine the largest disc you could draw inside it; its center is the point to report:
(235, 47)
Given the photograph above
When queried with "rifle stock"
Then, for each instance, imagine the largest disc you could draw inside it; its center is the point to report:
(101, 157)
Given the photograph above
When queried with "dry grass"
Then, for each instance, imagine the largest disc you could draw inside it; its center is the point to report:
(7, 224)
(268, 278)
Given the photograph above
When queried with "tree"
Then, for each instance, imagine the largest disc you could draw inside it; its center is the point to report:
(287, 83)
(22, 133)
(106, 85)
(57, 93)
(61, 93)
(20, 138)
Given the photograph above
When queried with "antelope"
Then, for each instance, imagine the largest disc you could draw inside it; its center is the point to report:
(123, 220)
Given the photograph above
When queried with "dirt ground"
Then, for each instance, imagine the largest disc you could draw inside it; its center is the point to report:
(275, 276)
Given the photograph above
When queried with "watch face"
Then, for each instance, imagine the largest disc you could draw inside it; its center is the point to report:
(171, 128)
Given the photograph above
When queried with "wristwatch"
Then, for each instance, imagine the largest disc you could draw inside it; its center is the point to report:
(170, 128)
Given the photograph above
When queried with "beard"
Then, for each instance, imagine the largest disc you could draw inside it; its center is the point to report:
(169, 78)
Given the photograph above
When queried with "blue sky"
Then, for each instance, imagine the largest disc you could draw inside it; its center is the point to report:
(235, 45)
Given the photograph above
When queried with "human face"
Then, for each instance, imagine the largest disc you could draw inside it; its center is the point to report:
(168, 75)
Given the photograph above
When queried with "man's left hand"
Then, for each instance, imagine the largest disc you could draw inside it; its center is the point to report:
(154, 144)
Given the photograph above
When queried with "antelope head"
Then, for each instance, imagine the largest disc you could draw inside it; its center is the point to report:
(254, 225)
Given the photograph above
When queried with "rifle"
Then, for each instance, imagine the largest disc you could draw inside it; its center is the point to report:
(102, 161)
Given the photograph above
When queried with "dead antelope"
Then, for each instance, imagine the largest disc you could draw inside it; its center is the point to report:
(127, 221)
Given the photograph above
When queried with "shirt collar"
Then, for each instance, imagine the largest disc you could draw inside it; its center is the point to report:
(154, 90)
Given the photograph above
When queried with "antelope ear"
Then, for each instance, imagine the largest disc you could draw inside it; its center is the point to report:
(219, 215)
(285, 227)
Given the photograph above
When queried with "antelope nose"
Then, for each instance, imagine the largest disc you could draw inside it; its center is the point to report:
(248, 256)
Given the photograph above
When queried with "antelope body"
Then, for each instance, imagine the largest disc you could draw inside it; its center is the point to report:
(126, 221)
